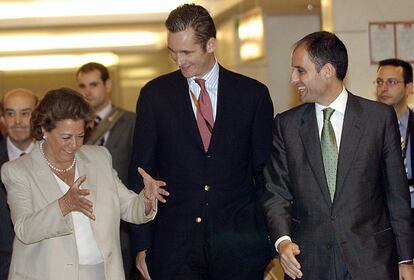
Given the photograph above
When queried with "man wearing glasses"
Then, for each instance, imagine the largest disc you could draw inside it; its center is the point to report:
(394, 85)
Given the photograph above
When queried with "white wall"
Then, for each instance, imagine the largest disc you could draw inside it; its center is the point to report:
(281, 33)
(350, 23)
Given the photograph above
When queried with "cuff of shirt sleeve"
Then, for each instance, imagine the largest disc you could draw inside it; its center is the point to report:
(408, 262)
(280, 239)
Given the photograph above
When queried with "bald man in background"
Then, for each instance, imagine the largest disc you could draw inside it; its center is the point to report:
(16, 110)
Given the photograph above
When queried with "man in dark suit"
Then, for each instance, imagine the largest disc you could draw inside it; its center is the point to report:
(206, 132)
(17, 106)
(336, 196)
(394, 85)
(114, 129)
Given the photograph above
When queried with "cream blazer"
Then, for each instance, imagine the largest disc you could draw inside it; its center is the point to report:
(45, 246)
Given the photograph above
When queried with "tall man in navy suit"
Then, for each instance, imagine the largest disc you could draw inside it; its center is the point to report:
(336, 197)
(211, 157)
(16, 107)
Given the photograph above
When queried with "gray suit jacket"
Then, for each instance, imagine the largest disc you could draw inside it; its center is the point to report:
(45, 246)
(370, 218)
(119, 144)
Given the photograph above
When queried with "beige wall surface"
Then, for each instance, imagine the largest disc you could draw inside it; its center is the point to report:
(350, 23)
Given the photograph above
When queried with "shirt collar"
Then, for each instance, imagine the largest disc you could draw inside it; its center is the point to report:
(339, 104)
(14, 152)
(210, 77)
(403, 119)
(105, 111)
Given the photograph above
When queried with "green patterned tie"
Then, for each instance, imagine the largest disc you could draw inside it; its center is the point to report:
(329, 151)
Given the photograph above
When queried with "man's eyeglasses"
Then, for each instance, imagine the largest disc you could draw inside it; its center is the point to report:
(388, 82)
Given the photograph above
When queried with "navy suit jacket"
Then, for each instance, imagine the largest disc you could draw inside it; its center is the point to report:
(167, 144)
(6, 227)
(369, 219)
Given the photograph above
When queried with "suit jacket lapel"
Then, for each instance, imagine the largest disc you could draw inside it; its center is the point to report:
(311, 143)
(44, 177)
(85, 169)
(181, 102)
(227, 98)
(350, 138)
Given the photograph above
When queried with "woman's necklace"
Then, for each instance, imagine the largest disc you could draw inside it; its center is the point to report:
(51, 165)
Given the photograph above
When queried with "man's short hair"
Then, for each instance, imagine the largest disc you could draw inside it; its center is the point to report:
(92, 66)
(407, 68)
(195, 17)
(324, 47)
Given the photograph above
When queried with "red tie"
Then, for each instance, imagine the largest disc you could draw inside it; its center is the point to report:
(205, 120)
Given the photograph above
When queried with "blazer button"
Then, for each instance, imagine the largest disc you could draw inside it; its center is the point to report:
(206, 188)
(198, 220)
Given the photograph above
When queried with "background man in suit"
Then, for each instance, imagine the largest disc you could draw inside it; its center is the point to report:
(17, 106)
(336, 197)
(209, 143)
(394, 85)
(114, 129)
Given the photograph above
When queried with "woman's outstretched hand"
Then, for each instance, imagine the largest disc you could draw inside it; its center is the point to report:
(153, 190)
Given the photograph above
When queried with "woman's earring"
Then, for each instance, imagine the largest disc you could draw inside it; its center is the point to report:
(44, 137)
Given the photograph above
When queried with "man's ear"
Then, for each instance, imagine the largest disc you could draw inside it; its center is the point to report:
(409, 89)
(108, 85)
(211, 45)
(328, 71)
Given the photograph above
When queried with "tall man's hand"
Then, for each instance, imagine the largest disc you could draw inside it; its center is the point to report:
(406, 271)
(141, 264)
(287, 251)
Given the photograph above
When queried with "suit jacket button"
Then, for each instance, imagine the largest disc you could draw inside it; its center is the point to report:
(198, 220)
(206, 188)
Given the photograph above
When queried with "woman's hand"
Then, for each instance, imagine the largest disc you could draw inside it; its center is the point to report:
(74, 200)
(153, 190)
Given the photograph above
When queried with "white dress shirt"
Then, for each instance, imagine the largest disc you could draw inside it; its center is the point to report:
(13, 152)
(88, 251)
(211, 84)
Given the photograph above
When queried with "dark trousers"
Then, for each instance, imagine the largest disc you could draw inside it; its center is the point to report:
(203, 263)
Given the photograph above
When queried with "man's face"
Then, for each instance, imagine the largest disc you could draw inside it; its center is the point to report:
(18, 107)
(391, 89)
(189, 55)
(94, 90)
(309, 82)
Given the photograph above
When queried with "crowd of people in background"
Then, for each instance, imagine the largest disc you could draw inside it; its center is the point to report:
(203, 181)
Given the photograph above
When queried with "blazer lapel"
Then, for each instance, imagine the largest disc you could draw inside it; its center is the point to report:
(44, 177)
(350, 138)
(85, 167)
(311, 143)
(181, 102)
(227, 98)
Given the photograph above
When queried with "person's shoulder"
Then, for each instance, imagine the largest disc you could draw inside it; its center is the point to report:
(164, 80)
(93, 152)
(297, 111)
(368, 105)
(127, 115)
(239, 78)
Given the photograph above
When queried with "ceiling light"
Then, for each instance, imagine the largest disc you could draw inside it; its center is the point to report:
(70, 41)
(70, 8)
(47, 62)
